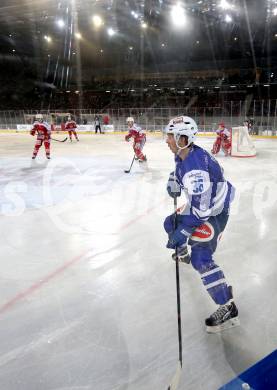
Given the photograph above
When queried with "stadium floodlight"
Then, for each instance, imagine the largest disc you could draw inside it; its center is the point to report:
(110, 32)
(274, 11)
(178, 16)
(47, 38)
(225, 5)
(60, 23)
(78, 35)
(97, 21)
(134, 14)
(228, 19)
(143, 25)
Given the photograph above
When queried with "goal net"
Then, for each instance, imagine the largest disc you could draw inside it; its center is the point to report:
(241, 143)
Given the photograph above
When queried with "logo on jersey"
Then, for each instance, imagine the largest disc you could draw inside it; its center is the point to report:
(203, 233)
(196, 182)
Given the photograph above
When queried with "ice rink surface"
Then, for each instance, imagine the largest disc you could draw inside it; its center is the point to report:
(88, 297)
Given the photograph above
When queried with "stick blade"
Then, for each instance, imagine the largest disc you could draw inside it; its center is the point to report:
(127, 171)
(176, 378)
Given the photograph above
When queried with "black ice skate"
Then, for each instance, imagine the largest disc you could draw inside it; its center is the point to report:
(142, 159)
(225, 317)
(183, 255)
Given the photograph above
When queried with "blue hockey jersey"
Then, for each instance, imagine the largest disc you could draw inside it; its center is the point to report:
(208, 193)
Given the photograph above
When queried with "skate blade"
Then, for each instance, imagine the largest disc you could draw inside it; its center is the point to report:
(233, 322)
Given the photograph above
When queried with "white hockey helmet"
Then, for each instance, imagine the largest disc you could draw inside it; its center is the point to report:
(39, 117)
(182, 125)
(130, 119)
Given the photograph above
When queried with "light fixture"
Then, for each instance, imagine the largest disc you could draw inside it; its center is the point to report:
(110, 32)
(47, 38)
(228, 19)
(78, 35)
(60, 23)
(225, 5)
(97, 21)
(178, 16)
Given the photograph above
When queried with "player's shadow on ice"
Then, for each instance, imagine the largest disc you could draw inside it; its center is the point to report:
(35, 166)
(238, 349)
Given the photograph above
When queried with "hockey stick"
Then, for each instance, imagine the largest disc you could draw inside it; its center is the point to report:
(128, 170)
(176, 378)
(58, 140)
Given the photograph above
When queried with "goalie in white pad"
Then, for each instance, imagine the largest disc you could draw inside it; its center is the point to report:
(241, 143)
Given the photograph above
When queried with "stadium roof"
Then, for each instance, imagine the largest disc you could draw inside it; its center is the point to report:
(90, 35)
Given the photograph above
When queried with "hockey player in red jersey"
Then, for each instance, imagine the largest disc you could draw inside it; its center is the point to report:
(223, 140)
(71, 127)
(43, 131)
(139, 137)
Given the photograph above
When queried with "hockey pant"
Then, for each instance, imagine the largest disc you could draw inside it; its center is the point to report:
(203, 244)
(138, 146)
(70, 132)
(38, 144)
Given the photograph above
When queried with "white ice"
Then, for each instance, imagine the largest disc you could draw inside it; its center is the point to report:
(88, 297)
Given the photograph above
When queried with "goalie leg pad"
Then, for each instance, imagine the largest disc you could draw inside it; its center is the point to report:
(216, 146)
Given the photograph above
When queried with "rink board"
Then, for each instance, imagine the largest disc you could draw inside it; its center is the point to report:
(261, 376)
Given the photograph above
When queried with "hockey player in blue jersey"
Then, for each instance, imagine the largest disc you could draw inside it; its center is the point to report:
(201, 221)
